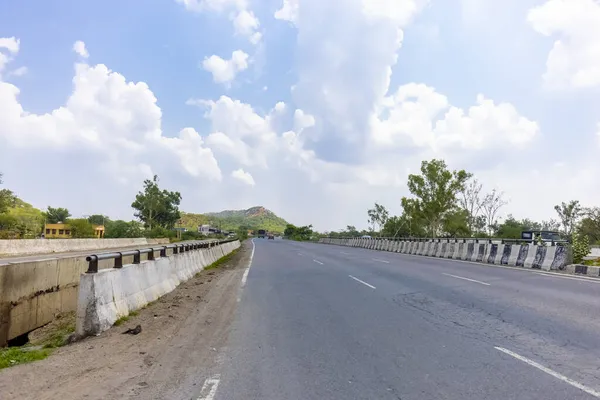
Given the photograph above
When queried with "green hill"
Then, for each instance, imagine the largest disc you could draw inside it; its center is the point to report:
(252, 218)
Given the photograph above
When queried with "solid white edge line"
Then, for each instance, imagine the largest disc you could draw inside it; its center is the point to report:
(363, 282)
(381, 261)
(318, 262)
(466, 279)
(213, 383)
(555, 374)
(245, 276)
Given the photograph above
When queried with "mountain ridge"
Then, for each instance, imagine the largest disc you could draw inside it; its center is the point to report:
(257, 217)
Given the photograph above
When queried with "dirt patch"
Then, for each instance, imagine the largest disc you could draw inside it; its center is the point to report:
(182, 333)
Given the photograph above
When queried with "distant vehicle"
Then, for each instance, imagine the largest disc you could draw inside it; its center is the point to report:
(262, 233)
(365, 237)
(271, 237)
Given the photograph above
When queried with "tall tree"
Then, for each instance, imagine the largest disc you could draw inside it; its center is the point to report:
(56, 215)
(81, 228)
(156, 207)
(97, 219)
(378, 216)
(436, 190)
(550, 225)
(7, 198)
(590, 224)
(569, 213)
(470, 201)
(490, 205)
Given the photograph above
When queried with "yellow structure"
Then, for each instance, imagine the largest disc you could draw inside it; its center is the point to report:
(63, 231)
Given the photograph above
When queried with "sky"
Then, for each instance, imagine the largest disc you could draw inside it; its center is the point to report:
(314, 109)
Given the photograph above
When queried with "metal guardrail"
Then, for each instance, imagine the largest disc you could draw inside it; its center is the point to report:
(176, 247)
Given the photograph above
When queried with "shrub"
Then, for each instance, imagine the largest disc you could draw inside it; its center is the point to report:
(581, 248)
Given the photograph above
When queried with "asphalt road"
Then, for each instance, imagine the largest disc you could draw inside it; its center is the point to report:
(330, 322)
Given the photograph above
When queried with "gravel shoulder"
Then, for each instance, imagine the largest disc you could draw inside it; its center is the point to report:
(182, 335)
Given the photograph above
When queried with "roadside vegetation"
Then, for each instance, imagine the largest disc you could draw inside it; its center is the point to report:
(453, 203)
(42, 342)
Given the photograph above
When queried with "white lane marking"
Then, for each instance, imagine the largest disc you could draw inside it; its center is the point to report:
(209, 389)
(466, 279)
(245, 276)
(381, 261)
(575, 278)
(363, 282)
(555, 374)
(343, 252)
(300, 254)
(318, 262)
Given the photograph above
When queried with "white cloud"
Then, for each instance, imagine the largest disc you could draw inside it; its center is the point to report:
(79, 48)
(19, 71)
(244, 21)
(243, 176)
(225, 71)
(109, 129)
(288, 11)
(574, 60)
(10, 43)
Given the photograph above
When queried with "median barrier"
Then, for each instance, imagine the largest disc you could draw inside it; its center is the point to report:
(106, 295)
(17, 247)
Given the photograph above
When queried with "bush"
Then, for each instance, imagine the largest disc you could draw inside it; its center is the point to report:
(81, 228)
(581, 248)
(159, 232)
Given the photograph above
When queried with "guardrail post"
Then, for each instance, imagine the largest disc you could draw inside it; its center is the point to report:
(151, 255)
(93, 265)
(163, 251)
(119, 261)
(136, 257)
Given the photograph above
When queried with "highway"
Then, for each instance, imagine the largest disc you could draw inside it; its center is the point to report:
(329, 322)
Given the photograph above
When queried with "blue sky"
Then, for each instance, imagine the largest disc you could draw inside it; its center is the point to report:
(359, 105)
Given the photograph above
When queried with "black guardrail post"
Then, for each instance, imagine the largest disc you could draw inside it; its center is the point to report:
(163, 251)
(93, 264)
(137, 257)
(119, 261)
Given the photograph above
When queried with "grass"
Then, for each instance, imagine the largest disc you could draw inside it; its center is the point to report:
(12, 356)
(42, 342)
(126, 318)
(220, 261)
(595, 262)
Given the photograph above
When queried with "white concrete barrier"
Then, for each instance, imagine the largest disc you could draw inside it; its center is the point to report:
(109, 294)
(16, 247)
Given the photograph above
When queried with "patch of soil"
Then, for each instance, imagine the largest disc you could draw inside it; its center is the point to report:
(182, 333)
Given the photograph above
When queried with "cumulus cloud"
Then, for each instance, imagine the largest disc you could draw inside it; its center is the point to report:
(108, 126)
(79, 48)
(244, 21)
(243, 177)
(225, 71)
(19, 71)
(574, 60)
(8, 47)
(288, 11)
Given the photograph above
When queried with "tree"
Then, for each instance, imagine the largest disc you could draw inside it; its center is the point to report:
(298, 232)
(470, 201)
(456, 224)
(7, 198)
(550, 225)
(81, 228)
(57, 215)
(156, 207)
(590, 224)
(511, 228)
(490, 205)
(378, 216)
(97, 219)
(123, 229)
(436, 191)
(569, 213)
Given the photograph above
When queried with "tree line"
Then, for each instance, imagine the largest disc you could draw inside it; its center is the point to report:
(156, 210)
(452, 203)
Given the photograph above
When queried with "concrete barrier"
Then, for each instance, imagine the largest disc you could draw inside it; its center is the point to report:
(16, 247)
(109, 294)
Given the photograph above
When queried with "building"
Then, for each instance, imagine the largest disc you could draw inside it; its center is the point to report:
(63, 231)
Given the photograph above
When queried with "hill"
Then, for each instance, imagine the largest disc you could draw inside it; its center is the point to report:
(252, 218)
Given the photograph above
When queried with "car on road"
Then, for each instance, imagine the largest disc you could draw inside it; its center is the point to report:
(271, 237)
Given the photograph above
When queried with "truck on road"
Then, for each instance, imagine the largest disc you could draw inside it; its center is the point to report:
(262, 233)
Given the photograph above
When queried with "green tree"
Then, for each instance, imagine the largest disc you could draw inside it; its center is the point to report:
(81, 228)
(156, 207)
(123, 229)
(456, 224)
(7, 198)
(590, 225)
(97, 219)
(378, 216)
(435, 191)
(569, 214)
(581, 247)
(56, 215)
(299, 233)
